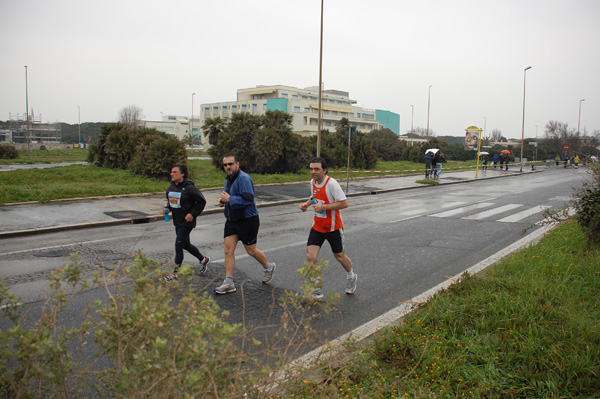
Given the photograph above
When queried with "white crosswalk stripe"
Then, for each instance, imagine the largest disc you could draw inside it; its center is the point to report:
(489, 213)
(492, 212)
(419, 210)
(458, 211)
(523, 214)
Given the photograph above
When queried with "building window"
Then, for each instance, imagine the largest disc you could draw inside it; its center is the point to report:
(305, 97)
(296, 109)
(295, 96)
(307, 109)
(284, 95)
(327, 123)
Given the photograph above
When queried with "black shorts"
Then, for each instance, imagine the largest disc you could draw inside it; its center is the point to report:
(245, 229)
(335, 239)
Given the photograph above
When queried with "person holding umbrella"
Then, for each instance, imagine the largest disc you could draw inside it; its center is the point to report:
(429, 157)
(495, 160)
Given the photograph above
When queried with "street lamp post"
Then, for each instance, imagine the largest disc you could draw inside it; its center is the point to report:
(27, 112)
(320, 112)
(484, 126)
(523, 125)
(579, 118)
(412, 118)
(79, 121)
(428, 104)
(192, 121)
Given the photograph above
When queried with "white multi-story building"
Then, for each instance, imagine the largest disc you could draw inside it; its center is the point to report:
(303, 104)
(179, 126)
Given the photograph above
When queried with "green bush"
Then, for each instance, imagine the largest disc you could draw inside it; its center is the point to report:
(262, 144)
(156, 155)
(8, 152)
(144, 151)
(149, 339)
(586, 202)
(387, 145)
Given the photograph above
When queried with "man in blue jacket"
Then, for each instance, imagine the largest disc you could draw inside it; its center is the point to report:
(242, 222)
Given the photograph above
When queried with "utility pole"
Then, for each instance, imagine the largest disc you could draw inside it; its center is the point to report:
(27, 113)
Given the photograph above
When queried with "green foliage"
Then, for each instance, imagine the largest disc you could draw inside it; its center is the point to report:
(8, 152)
(156, 153)
(527, 328)
(147, 152)
(164, 340)
(35, 361)
(212, 128)
(334, 149)
(149, 339)
(387, 145)
(262, 144)
(586, 202)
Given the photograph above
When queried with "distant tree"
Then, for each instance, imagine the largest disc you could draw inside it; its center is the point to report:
(131, 116)
(262, 144)
(559, 135)
(191, 139)
(387, 145)
(146, 151)
(334, 148)
(496, 135)
(422, 132)
(276, 148)
(212, 128)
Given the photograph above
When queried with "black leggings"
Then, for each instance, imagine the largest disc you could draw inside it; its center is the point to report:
(182, 241)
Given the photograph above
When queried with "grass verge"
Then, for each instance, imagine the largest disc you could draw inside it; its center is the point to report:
(527, 328)
(81, 181)
(48, 156)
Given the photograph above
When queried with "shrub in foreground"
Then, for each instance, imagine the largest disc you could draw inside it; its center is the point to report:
(8, 152)
(149, 339)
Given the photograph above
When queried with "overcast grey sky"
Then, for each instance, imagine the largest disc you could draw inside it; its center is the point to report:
(104, 55)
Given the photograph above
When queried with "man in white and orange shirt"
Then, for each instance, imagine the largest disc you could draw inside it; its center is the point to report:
(327, 198)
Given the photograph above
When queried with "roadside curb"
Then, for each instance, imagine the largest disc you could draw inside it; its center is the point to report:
(154, 218)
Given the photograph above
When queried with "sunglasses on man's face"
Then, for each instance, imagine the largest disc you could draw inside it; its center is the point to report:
(228, 164)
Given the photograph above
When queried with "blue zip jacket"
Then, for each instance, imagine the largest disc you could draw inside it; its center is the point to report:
(241, 205)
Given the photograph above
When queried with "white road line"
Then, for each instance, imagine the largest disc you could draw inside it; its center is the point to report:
(523, 214)
(491, 212)
(67, 245)
(453, 212)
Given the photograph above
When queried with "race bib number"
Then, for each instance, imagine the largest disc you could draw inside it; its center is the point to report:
(174, 200)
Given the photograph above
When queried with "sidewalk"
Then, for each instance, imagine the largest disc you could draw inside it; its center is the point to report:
(27, 219)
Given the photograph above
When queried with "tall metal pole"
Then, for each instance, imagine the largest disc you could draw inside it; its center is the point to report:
(320, 111)
(484, 126)
(412, 118)
(192, 121)
(79, 120)
(27, 112)
(523, 125)
(579, 118)
(428, 104)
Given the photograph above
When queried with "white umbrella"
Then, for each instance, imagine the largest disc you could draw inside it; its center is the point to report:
(434, 150)
(484, 153)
